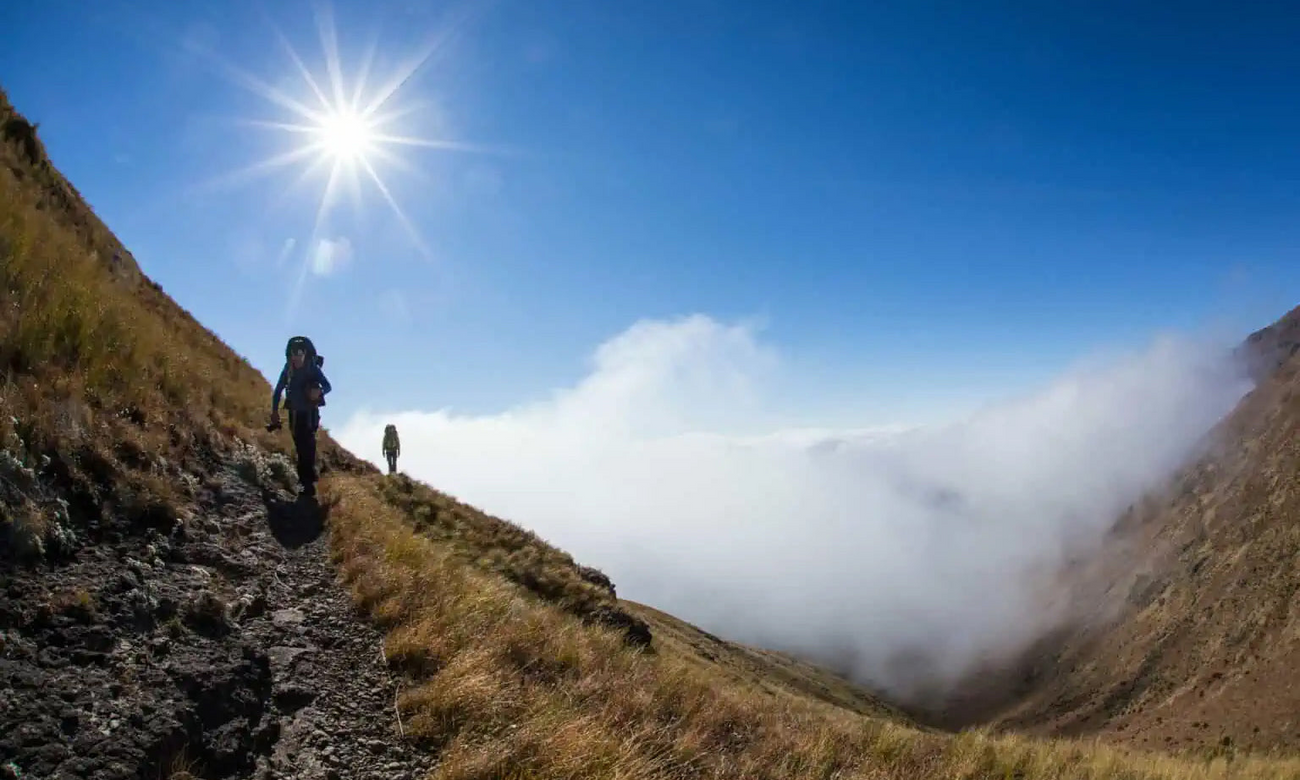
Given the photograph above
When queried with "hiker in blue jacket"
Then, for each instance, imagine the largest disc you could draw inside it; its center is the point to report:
(304, 386)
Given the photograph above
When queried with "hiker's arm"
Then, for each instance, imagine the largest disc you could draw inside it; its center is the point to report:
(324, 383)
(279, 390)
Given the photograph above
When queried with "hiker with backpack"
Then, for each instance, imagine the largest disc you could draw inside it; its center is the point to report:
(304, 386)
(392, 447)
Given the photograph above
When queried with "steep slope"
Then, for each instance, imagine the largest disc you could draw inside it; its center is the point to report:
(761, 670)
(166, 611)
(1204, 649)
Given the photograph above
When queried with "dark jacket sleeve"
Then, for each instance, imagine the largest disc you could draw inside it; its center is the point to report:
(324, 383)
(279, 389)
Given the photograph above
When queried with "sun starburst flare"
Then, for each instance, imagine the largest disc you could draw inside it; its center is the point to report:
(343, 135)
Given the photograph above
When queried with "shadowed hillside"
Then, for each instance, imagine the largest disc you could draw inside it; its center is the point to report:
(1196, 639)
(167, 609)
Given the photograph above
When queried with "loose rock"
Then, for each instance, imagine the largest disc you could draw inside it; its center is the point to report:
(215, 648)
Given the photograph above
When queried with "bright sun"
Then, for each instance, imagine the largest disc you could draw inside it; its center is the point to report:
(345, 136)
(345, 133)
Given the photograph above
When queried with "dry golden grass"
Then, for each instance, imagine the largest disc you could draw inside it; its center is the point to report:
(500, 546)
(507, 684)
(763, 672)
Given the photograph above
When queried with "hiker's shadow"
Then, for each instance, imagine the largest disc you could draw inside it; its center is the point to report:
(294, 523)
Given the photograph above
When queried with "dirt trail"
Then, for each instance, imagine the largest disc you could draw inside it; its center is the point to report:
(220, 645)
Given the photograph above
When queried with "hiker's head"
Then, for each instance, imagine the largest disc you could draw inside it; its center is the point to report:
(297, 358)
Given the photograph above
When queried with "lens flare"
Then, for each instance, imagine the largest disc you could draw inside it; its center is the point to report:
(346, 129)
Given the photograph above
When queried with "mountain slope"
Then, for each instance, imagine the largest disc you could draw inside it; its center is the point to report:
(760, 669)
(165, 611)
(1205, 650)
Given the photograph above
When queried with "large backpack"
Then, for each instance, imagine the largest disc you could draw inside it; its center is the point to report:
(303, 343)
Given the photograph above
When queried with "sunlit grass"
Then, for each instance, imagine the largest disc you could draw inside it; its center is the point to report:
(507, 684)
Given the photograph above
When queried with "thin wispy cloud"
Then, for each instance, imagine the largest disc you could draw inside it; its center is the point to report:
(330, 256)
(286, 251)
(900, 555)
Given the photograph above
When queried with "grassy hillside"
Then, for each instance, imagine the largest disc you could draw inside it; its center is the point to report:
(112, 393)
(763, 671)
(516, 661)
(1205, 651)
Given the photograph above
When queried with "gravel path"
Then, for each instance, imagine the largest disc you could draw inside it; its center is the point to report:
(221, 645)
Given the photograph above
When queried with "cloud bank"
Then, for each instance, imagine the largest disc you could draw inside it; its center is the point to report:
(899, 554)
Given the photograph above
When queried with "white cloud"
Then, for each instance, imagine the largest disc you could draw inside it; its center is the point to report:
(330, 255)
(875, 548)
(286, 250)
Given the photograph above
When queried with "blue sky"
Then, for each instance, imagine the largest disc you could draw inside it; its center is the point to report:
(926, 204)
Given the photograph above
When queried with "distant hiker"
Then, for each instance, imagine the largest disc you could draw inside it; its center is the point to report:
(306, 387)
(392, 447)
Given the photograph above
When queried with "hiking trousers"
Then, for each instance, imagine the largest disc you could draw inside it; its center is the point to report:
(303, 426)
(392, 461)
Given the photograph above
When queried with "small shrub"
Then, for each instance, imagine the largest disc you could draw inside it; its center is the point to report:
(78, 603)
(23, 531)
(19, 131)
(207, 614)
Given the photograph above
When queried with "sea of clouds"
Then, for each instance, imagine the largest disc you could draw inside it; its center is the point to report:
(891, 552)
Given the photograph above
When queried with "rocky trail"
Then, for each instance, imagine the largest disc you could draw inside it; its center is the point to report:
(216, 646)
